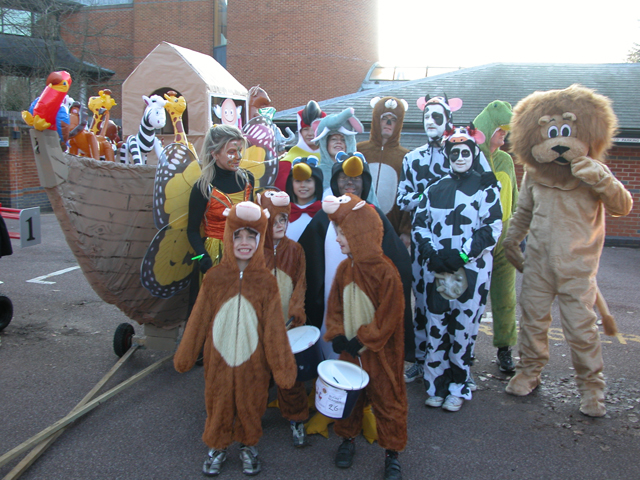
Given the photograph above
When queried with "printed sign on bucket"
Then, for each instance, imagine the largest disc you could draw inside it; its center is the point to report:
(330, 401)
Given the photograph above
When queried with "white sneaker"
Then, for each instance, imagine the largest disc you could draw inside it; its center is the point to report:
(434, 402)
(452, 403)
(471, 383)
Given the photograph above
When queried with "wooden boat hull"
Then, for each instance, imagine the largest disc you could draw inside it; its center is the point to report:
(105, 211)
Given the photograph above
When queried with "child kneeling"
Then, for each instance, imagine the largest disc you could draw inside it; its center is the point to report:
(365, 317)
(238, 318)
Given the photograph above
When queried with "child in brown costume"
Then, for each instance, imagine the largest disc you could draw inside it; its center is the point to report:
(365, 318)
(285, 259)
(238, 318)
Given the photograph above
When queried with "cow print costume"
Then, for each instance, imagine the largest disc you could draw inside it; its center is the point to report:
(461, 212)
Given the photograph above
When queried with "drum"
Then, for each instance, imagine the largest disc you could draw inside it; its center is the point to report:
(304, 345)
(338, 387)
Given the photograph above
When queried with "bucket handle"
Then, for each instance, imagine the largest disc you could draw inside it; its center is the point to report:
(361, 371)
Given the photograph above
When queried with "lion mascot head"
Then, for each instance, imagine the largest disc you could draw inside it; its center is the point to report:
(551, 129)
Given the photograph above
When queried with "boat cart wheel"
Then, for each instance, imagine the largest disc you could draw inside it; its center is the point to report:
(6, 311)
(122, 338)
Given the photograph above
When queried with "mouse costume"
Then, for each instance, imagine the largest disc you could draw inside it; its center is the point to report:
(239, 320)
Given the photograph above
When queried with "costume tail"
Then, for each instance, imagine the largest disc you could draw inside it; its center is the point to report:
(608, 322)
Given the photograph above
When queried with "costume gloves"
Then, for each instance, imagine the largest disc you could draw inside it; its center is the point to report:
(339, 344)
(437, 264)
(452, 260)
(205, 263)
(353, 347)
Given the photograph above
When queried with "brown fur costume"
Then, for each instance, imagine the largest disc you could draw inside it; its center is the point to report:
(366, 301)
(561, 136)
(238, 318)
(286, 262)
(391, 154)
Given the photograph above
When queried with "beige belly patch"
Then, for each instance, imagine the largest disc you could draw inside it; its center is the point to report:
(357, 308)
(285, 285)
(235, 331)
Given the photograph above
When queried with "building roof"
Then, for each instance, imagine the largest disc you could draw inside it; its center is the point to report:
(30, 56)
(511, 82)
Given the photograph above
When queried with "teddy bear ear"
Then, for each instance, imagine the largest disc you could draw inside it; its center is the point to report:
(266, 213)
(259, 199)
(359, 205)
(226, 212)
(569, 116)
(404, 104)
(373, 101)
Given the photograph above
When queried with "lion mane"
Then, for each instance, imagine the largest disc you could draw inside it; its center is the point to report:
(550, 129)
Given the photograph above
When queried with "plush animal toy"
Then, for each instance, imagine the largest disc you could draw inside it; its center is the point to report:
(561, 137)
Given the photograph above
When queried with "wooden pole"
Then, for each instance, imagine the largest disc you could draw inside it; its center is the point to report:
(34, 454)
(10, 455)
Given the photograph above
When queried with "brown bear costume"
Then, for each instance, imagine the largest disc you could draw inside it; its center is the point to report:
(287, 263)
(561, 137)
(366, 301)
(385, 161)
(238, 318)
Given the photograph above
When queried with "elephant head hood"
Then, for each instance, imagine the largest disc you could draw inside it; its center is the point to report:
(345, 123)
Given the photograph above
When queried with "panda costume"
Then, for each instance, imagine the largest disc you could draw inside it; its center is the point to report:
(456, 226)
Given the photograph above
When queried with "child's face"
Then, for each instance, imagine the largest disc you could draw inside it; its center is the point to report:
(304, 190)
(280, 224)
(308, 135)
(228, 158)
(244, 244)
(342, 241)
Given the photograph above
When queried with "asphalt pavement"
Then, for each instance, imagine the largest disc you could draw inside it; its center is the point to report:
(59, 345)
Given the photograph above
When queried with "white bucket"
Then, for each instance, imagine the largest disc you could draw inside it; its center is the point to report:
(304, 345)
(338, 387)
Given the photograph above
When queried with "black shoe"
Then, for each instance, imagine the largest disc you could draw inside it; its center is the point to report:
(392, 468)
(346, 451)
(505, 361)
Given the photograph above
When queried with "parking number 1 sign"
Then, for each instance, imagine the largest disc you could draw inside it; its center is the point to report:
(330, 401)
(29, 227)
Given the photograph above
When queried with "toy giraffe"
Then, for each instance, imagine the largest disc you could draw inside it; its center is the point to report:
(176, 106)
(100, 107)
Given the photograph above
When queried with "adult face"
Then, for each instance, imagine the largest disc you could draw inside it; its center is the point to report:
(336, 143)
(307, 135)
(342, 241)
(347, 184)
(304, 190)
(228, 158)
(460, 158)
(280, 224)
(435, 121)
(388, 123)
(497, 139)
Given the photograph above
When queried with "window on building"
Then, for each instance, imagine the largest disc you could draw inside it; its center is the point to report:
(220, 32)
(15, 22)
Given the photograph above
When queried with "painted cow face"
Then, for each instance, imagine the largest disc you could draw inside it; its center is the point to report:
(460, 158)
(435, 121)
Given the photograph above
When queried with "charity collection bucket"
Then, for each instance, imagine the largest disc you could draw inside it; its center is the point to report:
(338, 387)
(304, 345)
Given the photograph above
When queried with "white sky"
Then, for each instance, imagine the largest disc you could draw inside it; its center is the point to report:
(463, 33)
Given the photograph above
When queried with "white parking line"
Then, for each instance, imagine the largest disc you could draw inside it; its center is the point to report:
(41, 281)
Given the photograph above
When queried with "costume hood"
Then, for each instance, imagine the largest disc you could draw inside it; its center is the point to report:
(387, 105)
(353, 164)
(495, 115)
(360, 223)
(344, 123)
(449, 105)
(469, 136)
(306, 117)
(274, 202)
(303, 168)
(245, 215)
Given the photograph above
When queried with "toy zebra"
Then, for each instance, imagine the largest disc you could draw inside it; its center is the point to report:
(138, 146)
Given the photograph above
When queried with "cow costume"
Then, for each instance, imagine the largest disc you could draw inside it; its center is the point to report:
(239, 320)
(456, 225)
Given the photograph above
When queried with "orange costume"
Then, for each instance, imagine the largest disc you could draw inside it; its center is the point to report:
(287, 263)
(366, 301)
(238, 319)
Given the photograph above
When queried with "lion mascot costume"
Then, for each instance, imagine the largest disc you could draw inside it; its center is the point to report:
(561, 137)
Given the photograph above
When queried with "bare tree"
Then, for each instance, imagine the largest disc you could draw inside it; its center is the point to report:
(634, 54)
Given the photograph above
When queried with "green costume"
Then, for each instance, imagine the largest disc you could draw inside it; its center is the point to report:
(503, 281)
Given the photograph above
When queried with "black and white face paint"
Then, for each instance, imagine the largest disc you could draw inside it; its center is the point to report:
(460, 158)
(434, 121)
